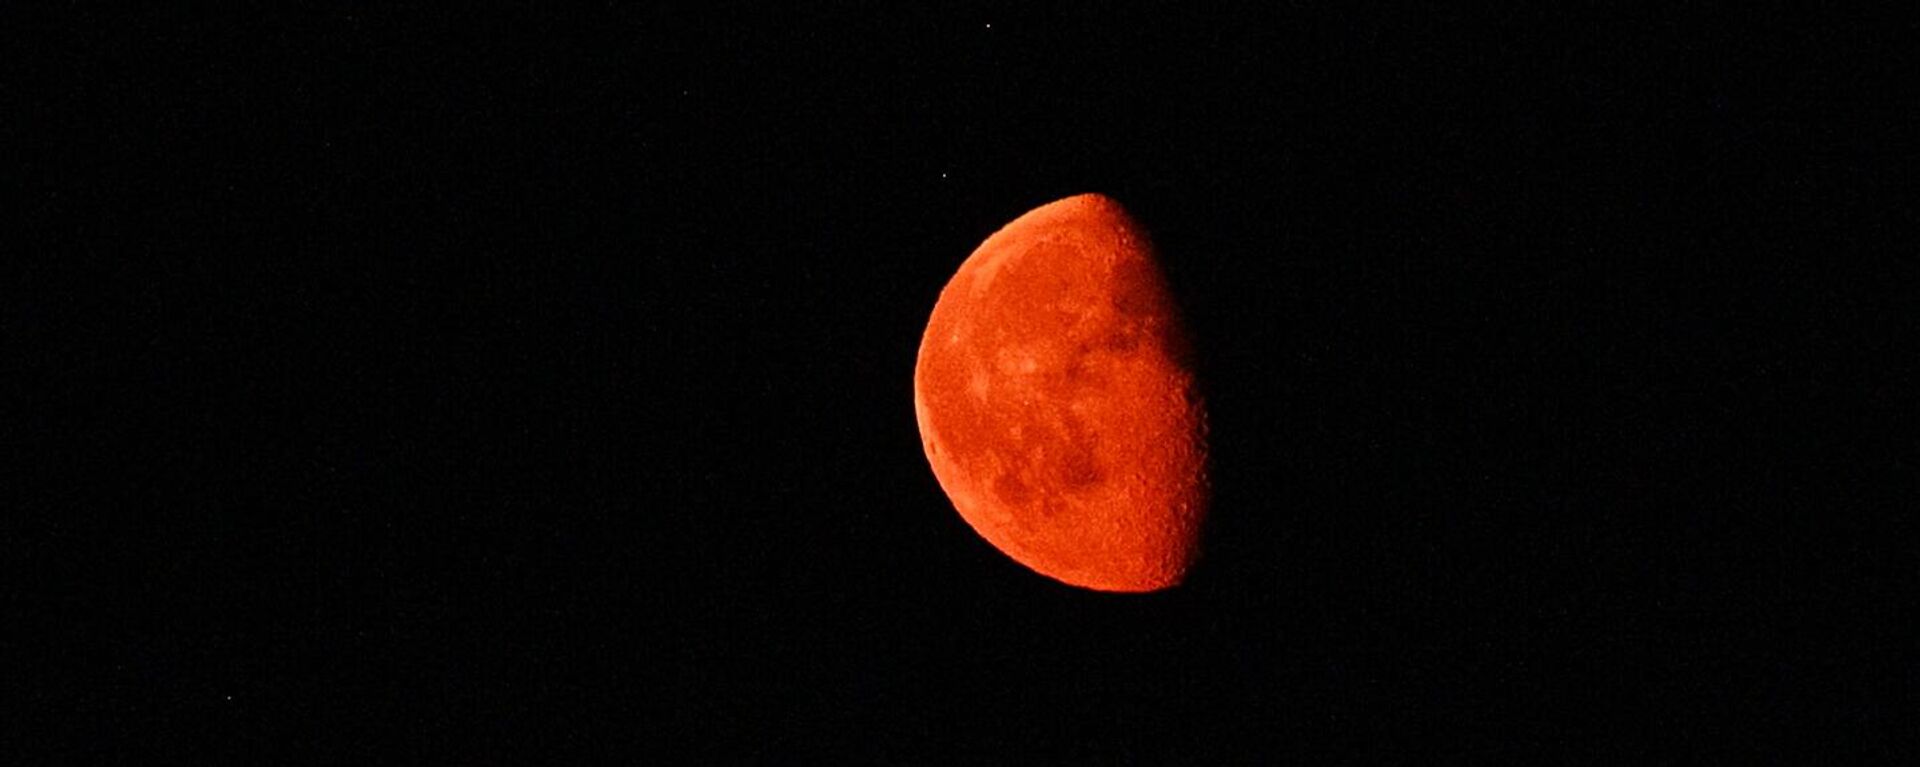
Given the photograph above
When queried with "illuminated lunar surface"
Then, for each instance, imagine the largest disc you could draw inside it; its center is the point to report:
(1057, 404)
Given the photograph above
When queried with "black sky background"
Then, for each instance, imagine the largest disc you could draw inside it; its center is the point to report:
(393, 386)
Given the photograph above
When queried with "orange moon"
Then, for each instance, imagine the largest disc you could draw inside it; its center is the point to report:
(1057, 402)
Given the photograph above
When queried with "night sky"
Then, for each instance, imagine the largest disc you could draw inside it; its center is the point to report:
(389, 386)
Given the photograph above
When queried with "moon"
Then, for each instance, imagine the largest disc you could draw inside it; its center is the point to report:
(1057, 402)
